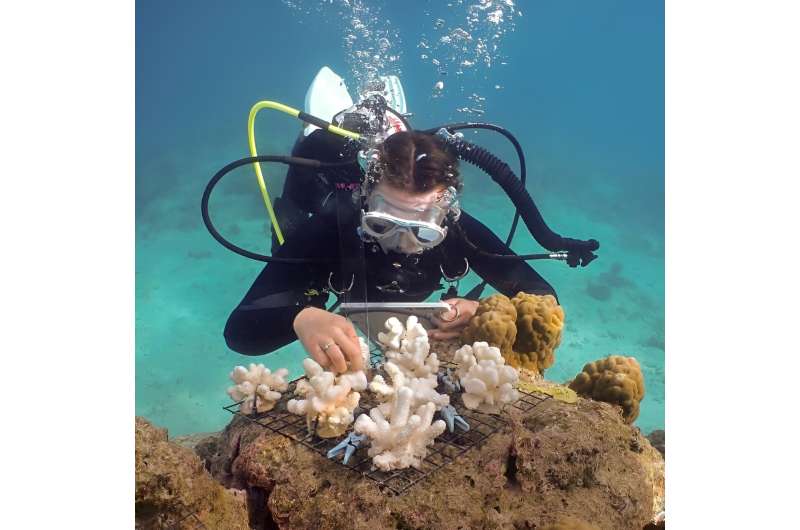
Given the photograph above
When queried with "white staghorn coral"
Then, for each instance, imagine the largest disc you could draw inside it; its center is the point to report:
(487, 381)
(424, 390)
(409, 349)
(258, 386)
(329, 400)
(403, 440)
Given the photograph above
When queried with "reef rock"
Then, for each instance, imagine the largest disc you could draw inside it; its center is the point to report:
(173, 489)
(658, 440)
(558, 464)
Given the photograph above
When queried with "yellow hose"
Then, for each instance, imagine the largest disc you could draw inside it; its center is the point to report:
(251, 139)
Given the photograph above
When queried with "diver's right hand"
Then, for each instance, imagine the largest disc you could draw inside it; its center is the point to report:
(580, 252)
(317, 328)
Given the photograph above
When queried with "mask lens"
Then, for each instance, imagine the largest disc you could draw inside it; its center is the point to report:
(426, 234)
(378, 226)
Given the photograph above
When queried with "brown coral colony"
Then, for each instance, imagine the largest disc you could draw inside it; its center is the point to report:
(527, 328)
(617, 380)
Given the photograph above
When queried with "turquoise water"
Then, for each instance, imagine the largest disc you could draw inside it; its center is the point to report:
(580, 84)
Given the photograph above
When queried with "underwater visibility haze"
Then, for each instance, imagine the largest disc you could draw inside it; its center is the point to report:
(580, 84)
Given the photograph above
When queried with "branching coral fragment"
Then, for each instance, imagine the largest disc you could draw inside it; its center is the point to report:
(403, 439)
(409, 349)
(488, 382)
(257, 387)
(329, 400)
(423, 389)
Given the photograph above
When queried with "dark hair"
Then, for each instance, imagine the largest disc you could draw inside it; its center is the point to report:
(416, 162)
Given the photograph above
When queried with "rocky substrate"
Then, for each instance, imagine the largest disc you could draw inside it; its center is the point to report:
(173, 489)
(561, 465)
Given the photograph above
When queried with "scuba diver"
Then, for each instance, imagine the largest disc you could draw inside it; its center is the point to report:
(374, 216)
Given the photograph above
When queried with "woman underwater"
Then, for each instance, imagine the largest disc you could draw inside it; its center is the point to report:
(411, 234)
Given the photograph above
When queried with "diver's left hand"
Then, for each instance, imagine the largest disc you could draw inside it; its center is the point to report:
(449, 330)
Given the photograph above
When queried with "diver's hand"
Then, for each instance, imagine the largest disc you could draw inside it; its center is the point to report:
(316, 328)
(463, 308)
(580, 252)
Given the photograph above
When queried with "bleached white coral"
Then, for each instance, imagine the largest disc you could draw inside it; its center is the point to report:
(403, 439)
(257, 386)
(409, 349)
(424, 389)
(329, 400)
(487, 381)
(357, 378)
(464, 357)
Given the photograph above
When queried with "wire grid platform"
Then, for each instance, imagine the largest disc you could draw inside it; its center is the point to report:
(446, 448)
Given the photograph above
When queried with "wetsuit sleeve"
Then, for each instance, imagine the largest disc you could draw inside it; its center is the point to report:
(263, 320)
(507, 276)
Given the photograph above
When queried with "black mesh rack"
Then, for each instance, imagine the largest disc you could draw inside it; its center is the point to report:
(446, 448)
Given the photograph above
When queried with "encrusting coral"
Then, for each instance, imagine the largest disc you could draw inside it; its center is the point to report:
(329, 399)
(257, 386)
(424, 390)
(526, 328)
(487, 381)
(616, 380)
(540, 321)
(407, 346)
(403, 439)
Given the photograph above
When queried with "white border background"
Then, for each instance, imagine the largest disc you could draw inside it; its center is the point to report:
(67, 214)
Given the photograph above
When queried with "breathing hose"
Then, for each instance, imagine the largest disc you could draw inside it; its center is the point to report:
(580, 252)
(289, 160)
(523, 172)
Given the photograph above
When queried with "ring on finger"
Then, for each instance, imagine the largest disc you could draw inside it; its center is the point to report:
(458, 314)
(326, 346)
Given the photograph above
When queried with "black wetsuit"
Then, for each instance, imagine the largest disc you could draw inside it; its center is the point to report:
(263, 320)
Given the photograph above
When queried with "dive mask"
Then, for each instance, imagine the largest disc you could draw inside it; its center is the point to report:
(384, 219)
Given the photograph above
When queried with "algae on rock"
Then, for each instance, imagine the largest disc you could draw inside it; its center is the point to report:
(555, 462)
(173, 489)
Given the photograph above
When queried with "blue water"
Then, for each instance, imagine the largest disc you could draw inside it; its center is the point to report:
(582, 88)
